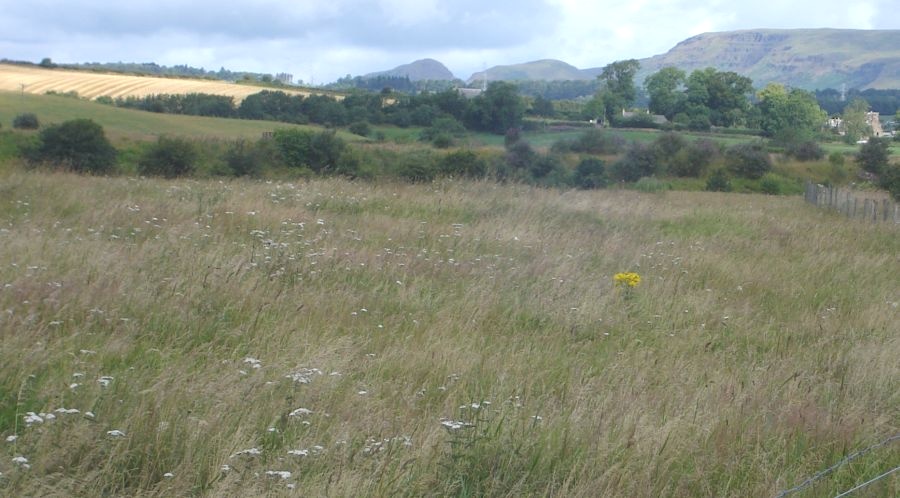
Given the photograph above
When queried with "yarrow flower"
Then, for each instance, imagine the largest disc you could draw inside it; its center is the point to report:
(629, 279)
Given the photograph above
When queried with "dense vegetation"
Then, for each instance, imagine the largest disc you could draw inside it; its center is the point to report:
(327, 337)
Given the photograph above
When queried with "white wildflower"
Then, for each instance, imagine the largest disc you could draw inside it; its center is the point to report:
(453, 425)
(115, 433)
(33, 418)
(300, 412)
(283, 474)
(250, 452)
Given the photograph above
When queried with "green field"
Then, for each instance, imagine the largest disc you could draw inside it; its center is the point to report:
(131, 125)
(451, 339)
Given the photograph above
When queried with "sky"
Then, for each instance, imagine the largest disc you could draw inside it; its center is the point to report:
(319, 41)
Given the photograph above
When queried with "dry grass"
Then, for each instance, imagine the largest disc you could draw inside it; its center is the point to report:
(91, 85)
(760, 347)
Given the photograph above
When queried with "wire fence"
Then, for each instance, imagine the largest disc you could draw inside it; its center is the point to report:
(874, 207)
(849, 458)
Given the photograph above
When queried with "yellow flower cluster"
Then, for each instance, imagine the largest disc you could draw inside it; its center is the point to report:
(628, 278)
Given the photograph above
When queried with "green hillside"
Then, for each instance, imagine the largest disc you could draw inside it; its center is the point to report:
(127, 124)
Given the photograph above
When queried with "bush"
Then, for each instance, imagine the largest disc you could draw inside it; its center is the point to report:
(442, 141)
(417, 170)
(750, 160)
(543, 165)
(360, 128)
(446, 125)
(520, 156)
(245, 158)
(639, 161)
(590, 174)
(873, 155)
(597, 141)
(808, 150)
(169, 157)
(770, 184)
(464, 163)
(694, 159)
(836, 159)
(79, 145)
(318, 151)
(890, 181)
(718, 181)
(26, 121)
(512, 136)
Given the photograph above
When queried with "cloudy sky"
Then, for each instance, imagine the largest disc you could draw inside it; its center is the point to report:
(321, 40)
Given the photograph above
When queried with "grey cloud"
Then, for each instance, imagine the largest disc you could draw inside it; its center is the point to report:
(465, 23)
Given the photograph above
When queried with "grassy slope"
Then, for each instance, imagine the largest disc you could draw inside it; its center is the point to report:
(760, 347)
(128, 124)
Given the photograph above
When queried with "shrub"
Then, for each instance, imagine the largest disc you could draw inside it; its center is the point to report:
(543, 165)
(718, 181)
(512, 136)
(169, 157)
(890, 181)
(808, 150)
(79, 145)
(749, 160)
(694, 159)
(360, 128)
(873, 155)
(596, 141)
(669, 144)
(26, 121)
(318, 151)
(417, 170)
(442, 141)
(770, 184)
(836, 159)
(591, 173)
(245, 158)
(464, 163)
(446, 125)
(520, 156)
(639, 161)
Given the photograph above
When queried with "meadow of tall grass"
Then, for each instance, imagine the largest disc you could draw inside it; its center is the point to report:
(241, 338)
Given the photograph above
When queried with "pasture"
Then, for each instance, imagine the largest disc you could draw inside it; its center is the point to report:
(128, 125)
(237, 338)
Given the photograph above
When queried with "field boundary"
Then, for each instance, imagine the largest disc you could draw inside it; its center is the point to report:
(851, 205)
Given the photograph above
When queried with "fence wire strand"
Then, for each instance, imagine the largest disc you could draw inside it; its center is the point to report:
(870, 481)
(808, 482)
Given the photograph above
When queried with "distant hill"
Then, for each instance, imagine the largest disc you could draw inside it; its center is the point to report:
(420, 70)
(545, 69)
(804, 58)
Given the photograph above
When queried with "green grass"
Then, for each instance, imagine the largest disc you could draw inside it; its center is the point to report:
(759, 348)
(125, 125)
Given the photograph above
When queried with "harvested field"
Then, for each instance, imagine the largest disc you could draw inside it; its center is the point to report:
(36, 80)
